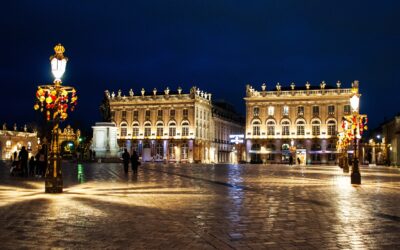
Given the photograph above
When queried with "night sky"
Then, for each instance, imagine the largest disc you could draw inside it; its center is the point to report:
(219, 46)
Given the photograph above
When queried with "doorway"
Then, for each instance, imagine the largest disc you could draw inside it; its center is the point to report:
(301, 157)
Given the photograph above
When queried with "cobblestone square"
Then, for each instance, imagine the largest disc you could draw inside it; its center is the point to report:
(169, 206)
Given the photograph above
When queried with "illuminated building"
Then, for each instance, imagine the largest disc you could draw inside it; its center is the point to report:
(298, 121)
(164, 126)
(171, 126)
(226, 121)
(13, 140)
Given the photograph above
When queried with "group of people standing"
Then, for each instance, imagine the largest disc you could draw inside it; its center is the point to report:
(134, 159)
(36, 166)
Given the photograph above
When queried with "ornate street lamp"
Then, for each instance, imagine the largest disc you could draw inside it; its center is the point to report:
(55, 100)
(358, 125)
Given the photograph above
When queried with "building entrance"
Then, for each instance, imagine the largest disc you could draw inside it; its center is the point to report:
(301, 156)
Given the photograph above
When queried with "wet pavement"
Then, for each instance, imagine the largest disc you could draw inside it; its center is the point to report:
(203, 207)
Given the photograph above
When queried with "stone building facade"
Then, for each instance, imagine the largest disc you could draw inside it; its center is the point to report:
(173, 126)
(12, 140)
(301, 122)
(383, 147)
(226, 122)
(167, 126)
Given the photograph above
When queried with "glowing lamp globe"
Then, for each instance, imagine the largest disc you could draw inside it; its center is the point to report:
(354, 102)
(58, 62)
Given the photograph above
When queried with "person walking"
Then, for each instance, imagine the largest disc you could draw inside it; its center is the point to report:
(15, 155)
(40, 163)
(290, 160)
(135, 162)
(125, 159)
(23, 159)
(32, 166)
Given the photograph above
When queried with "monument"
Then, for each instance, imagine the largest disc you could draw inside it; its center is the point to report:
(104, 141)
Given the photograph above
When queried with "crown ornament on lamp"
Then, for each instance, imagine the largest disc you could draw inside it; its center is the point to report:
(55, 100)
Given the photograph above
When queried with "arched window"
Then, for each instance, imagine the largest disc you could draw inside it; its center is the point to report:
(124, 129)
(331, 127)
(256, 128)
(160, 129)
(185, 128)
(184, 151)
(300, 127)
(147, 129)
(285, 128)
(171, 151)
(316, 127)
(135, 129)
(172, 129)
(159, 151)
(270, 128)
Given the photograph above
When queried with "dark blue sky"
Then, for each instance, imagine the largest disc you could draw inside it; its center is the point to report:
(219, 46)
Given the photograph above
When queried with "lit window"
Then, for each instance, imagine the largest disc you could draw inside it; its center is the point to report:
(300, 110)
(316, 125)
(270, 111)
(256, 111)
(147, 114)
(285, 128)
(123, 129)
(184, 151)
(135, 115)
(171, 151)
(147, 129)
(271, 128)
(185, 129)
(172, 129)
(160, 129)
(285, 110)
(300, 128)
(331, 110)
(315, 110)
(331, 128)
(160, 114)
(8, 144)
(135, 130)
(256, 128)
(346, 109)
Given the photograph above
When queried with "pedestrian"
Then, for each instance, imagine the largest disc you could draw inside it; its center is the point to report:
(94, 155)
(290, 160)
(298, 160)
(135, 162)
(23, 159)
(125, 158)
(90, 155)
(15, 155)
(40, 163)
(32, 166)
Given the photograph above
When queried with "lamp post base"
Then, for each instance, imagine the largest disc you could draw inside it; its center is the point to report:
(355, 173)
(53, 178)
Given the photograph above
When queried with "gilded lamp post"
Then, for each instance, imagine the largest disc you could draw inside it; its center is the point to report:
(354, 128)
(55, 100)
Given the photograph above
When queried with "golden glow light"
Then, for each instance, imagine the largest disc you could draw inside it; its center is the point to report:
(355, 102)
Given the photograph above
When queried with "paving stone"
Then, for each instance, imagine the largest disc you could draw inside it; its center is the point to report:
(197, 206)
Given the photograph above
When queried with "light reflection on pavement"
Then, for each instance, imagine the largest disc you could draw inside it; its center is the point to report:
(203, 207)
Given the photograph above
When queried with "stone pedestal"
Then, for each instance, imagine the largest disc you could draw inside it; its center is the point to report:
(104, 141)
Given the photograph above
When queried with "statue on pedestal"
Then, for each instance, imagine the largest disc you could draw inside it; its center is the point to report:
(105, 108)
